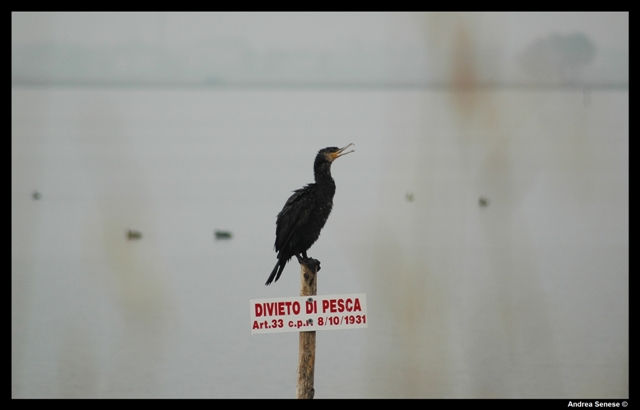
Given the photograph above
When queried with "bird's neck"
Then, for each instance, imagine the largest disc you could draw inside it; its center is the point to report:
(322, 174)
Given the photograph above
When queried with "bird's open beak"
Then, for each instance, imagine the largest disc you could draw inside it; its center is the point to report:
(341, 152)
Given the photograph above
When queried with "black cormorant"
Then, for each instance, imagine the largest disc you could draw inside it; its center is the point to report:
(299, 223)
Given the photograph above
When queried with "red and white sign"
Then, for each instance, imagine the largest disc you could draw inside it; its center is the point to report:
(308, 313)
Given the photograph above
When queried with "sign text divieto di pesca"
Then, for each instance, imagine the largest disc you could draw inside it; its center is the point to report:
(308, 313)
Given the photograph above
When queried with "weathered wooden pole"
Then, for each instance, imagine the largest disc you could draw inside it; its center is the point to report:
(307, 354)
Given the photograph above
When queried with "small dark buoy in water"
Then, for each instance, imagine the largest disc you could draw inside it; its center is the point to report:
(131, 234)
(36, 195)
(483, 201)
(409, 196)
(223, 234)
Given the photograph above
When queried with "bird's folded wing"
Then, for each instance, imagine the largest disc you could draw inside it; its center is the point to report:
(294, 215)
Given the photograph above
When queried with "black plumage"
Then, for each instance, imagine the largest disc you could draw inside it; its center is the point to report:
(302, 218)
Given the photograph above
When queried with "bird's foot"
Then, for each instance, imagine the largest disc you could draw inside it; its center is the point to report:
(313, 264)
(310, 262)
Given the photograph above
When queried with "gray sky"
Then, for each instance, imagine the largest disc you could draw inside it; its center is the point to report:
(341, 36)
(292, 30)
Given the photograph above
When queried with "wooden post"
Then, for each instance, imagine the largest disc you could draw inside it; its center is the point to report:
(307, 354)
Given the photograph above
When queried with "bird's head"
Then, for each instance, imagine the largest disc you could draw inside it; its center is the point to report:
(330, 154)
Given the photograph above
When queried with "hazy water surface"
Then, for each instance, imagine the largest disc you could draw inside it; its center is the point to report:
(523, 294)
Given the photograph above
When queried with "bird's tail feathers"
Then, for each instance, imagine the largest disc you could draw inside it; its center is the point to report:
(276, 272)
